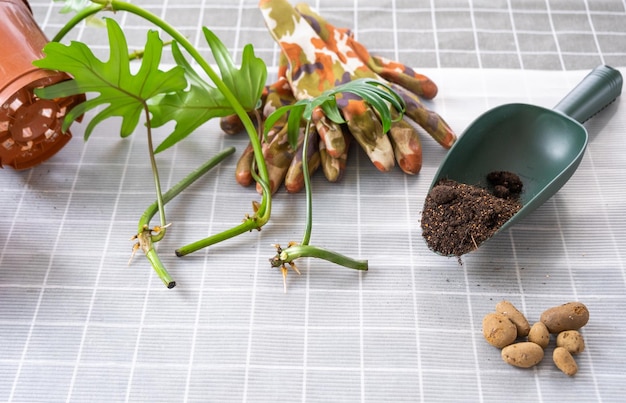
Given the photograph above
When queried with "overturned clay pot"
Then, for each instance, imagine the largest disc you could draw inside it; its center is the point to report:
(30, 127)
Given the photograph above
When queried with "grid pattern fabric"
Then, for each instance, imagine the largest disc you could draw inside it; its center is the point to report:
(514, 34)
(77, 323)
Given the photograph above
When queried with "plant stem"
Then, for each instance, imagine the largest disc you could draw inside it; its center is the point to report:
(296, 251)
(307, 188)
(157, 181)
(145, 237)
(249, 224)
(77, 18)
(183, 184)
(293, 252)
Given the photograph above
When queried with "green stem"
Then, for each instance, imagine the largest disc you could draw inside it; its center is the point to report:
(249, 224)
(77, 18)
(266, 202)
(292, 253)
(157, 181)
(307, 187)
(145, 237)
(159, 268)
(183, 184)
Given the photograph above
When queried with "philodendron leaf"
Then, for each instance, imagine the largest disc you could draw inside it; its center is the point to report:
(246, 83)
(125, 94)
(202, 101)
(190, 108)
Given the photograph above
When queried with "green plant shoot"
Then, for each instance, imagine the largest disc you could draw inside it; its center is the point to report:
(182, 95)
(201, 101)
(177, 94)
(379, 96)
(120, 93)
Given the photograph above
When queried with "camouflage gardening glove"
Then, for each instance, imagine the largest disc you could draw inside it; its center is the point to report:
(315, 57)
(321, 57)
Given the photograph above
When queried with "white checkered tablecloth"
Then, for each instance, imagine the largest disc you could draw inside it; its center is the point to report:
(77, 324)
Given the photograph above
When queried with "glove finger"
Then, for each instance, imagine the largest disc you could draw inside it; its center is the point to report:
(429, 120)
(330, 133)
(333, 167)
(294, 180)
(367, 130)
(276, 176)
(232, 124)
(407, 147)
(278, 155)
(398, 73)
(243, 170)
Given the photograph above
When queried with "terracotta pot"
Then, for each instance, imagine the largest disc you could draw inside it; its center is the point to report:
(30, 127)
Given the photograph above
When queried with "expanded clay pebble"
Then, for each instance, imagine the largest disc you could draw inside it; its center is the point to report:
(564, 361)
(569, 316)
(539, 335)
(519, 320)
(571, 340)
(498, 330)
(524, 354)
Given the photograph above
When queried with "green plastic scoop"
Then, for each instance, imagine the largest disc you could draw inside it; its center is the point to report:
(542, 146)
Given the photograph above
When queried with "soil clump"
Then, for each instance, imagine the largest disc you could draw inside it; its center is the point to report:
(458, 217)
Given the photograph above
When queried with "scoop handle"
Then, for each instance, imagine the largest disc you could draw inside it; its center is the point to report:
(597, 90)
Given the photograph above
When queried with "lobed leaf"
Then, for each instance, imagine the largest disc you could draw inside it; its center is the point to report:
(201, 101)
(190, 108)
(124, 94)
(246, 83)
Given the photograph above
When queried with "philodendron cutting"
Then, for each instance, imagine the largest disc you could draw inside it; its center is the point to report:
(178, 94)
(182, 95)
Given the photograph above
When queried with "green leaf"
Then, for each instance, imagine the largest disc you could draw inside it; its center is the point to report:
(246, 83)
(377, 94)
(293, 124)
(332, 112)
(271, 120)
(190, 108)
(124, 93)
(201, 101)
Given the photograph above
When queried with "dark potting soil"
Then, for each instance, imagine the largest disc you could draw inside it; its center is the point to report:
(458, 217)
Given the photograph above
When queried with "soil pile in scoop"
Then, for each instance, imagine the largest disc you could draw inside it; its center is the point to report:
(458, 217)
